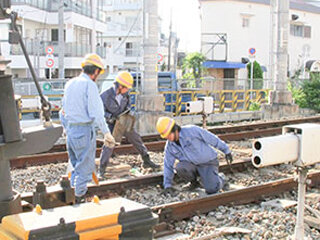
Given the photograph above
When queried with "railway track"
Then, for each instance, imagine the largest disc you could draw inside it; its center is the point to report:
(231, 133)
(177, 211)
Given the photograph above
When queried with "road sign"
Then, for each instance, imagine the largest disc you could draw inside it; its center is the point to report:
(160, 58)
(46, 86)
(252, 51)
(50, 63)
(49, 50)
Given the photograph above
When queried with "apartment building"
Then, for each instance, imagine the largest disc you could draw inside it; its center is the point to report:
(229, 28)
(84, 26)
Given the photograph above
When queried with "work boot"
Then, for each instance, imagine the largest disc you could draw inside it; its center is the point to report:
(226, 185)
(80, 199)
(191, 186)
(148, 163)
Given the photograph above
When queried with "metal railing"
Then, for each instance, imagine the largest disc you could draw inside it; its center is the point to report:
(224, 100)
(211, 84)
(175, 101)
(36, 47)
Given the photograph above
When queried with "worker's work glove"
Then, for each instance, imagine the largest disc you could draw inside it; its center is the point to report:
(169, 191)
(229, 158)
(109, 140)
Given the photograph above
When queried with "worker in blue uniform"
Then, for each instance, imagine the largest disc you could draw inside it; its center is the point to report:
(116, 100)
(82, 111)
(194, 148)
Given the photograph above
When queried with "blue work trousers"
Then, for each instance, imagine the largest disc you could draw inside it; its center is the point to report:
(209, 175)
(133, 137)
(81, 145)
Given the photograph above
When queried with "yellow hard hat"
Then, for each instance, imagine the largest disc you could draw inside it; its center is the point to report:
(164, 126)
(93, 59)
(125, 79)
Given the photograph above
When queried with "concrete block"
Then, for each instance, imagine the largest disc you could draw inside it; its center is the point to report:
(146, 121)
(280, 97)
(150, 103)
(277, 111)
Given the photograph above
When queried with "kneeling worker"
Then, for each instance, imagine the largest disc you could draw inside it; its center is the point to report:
(193, 147)
(116, 101)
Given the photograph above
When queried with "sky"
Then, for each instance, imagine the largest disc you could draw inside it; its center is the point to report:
(185, 21)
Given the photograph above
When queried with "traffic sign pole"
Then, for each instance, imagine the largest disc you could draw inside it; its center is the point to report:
(252, 52)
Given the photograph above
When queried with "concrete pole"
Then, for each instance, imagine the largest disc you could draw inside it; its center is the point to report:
(282, 48)
(61, 39)
(94, 32)
(177, 40)
(170, 43)
(273, 42)
(150, 45)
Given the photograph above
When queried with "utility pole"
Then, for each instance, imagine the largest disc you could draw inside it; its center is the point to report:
(169, 44)
(177, 40)
(61, 39)
(150, 46)
(282, 46)
(273, 42)
(149, 103)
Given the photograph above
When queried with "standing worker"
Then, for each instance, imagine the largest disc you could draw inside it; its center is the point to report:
(82, 111)
(116, 101)
(193, 147)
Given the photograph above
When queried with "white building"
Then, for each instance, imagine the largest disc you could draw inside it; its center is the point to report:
(124, 35)
(84, 26)
(239, 25)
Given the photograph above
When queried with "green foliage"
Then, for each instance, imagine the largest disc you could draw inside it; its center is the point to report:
(297, 94)
(193, 62)
(311, 90)
(307, 95)
(257, 75)
(254, 106)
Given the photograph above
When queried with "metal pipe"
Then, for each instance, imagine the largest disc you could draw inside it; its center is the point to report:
(299, 228)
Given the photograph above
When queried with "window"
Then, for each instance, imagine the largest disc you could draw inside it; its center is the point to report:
(132, 49)
(245, 22)
(296, 30)
(307, 31)
(300, 30)
(228, 82)
(55, 35)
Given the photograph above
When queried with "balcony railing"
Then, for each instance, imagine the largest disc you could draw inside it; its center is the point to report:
(53, 6)
(35, 47)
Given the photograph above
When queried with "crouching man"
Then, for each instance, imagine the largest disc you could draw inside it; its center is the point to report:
(194, 148)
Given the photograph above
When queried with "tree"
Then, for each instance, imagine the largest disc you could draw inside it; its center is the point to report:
(307, 94)
(311, 90)
(257, 75)
(192, 66)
